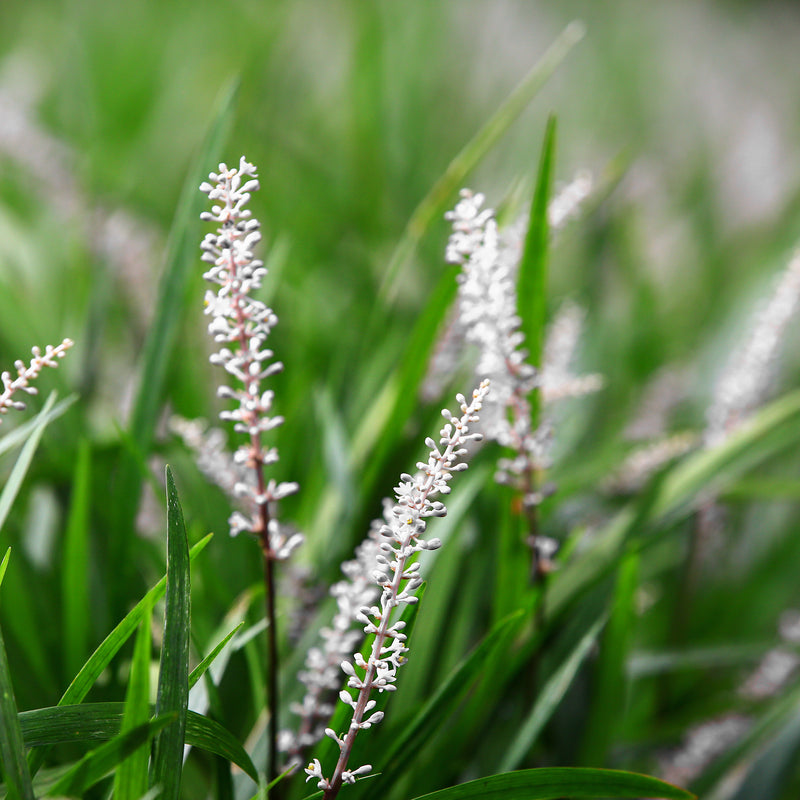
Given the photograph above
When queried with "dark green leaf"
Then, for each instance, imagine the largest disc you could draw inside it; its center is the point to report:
(102, 721)
(109, 647)
(98, 763)
(559, 782)
(549, 698)
(610, 685)
(131, 778)
(173, 676)
(12, 748)
(443, 702)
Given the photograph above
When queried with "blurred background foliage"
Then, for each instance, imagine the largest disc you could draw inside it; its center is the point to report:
(686, 114)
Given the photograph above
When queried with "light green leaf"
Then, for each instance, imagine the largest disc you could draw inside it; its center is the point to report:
(433, 203)
(75, 566)
(131, 777)
(532, 280)
(43, 419)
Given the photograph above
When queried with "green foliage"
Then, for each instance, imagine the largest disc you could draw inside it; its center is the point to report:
(173, 674)
(548, 784)
(12, 750)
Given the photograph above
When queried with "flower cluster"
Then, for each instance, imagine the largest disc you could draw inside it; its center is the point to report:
(28, 373)
(397, 577)
(241, 324)
(563, 335)
(488, 314)
(567, 203)
(322, 672)
(748, 375)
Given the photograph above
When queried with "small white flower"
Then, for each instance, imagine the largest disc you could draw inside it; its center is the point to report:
(314, 770)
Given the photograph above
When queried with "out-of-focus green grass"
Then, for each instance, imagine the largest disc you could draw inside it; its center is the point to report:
(687, 118)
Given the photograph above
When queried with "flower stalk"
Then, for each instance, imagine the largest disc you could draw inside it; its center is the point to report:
(397, 576)
(241, 324)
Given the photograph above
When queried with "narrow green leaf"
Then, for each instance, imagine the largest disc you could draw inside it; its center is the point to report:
(18, 435)
(182, 258)
(98, 763)
(131, 778)
(12, 748)
(101, 657)
(433, 203)
(549, 698)
(200, 669)
(20, 469)
(609, 690)
(4, 565)
(415, 361)
(769, 431)
(532, 280)
(445, 567)
(39, 666)
(173, 677)
(755, 488)
(644, 664)
(558, 782)
(75, 567)
(513, 570)
(210, 736)
(109, 647)
(102, 721)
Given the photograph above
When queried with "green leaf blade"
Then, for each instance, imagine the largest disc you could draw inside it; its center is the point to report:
(557, 782)
(12, 748)
(532, 281)
(131, 778)
(173, 679)
(549, 698)
(434, 202)
(75, 574)
(99, 762)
